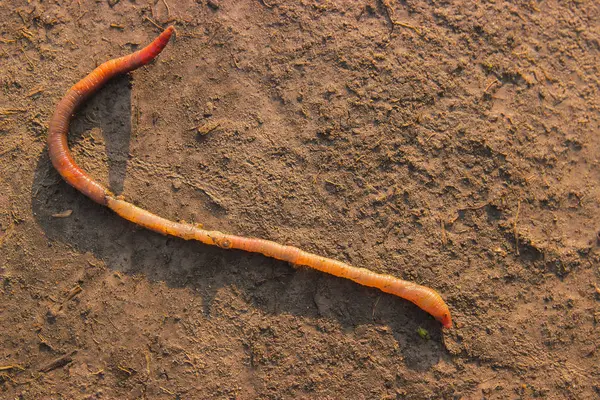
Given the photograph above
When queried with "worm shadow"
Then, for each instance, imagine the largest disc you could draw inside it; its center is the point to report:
(109, 110)
(268, 284)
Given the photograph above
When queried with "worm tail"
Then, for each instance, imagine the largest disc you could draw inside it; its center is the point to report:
(424, 297)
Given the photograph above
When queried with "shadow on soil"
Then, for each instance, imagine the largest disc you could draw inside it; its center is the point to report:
(271, 285)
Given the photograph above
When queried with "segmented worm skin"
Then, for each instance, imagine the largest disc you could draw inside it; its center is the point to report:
(59, 124)
(424, 297)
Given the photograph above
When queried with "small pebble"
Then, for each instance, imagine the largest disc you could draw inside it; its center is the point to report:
(177, 184)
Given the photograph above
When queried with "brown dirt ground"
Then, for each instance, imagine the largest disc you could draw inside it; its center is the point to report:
(449, 143)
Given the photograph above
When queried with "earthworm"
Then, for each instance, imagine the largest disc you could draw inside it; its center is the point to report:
(424, 297)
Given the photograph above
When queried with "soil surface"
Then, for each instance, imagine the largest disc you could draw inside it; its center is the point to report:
(449, 143)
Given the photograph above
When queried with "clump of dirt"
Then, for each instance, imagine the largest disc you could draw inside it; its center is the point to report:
(452, 144)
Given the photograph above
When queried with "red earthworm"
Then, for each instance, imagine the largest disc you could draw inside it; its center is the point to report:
(424, 297)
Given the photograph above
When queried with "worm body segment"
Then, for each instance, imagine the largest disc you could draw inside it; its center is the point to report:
(424, 297)
(59, 124)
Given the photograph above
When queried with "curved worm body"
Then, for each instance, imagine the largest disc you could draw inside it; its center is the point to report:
(424, 297)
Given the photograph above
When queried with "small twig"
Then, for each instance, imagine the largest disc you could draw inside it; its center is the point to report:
(444, 235)
(45, 342)
(389, 12)
(515, 232)
(148, 362)
(100, 371)
(489, 379)
(11, 111)
(492, 83)
(374, 306)
(112, 323)
(167, 391)
(59, 362)
(390, 15)
(473, 208)
(167, 7)
(409, 26)
(127, 370)
(9, 367)
(235, 63)
(74, 292)
(35, 91)
(153, 22)
(337, 185)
